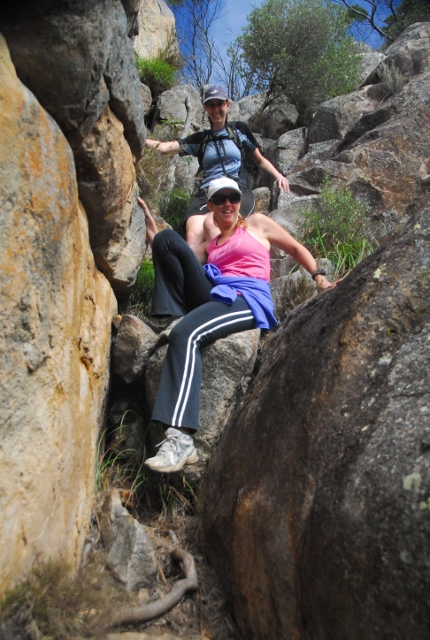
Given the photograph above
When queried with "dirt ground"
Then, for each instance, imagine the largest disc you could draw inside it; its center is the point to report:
(199, 616)
(202, 615)
(55, 603)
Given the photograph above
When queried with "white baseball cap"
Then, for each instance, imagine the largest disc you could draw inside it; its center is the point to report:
(222, 183)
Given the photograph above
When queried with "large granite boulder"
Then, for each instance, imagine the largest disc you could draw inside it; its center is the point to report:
(333, 118)
(410, 53)
(248, 110)
(179, 105)
(278, 117)
(106, 181)
(156, 30)
(55, 342)
(287, 150)
(369, 59)
(284, 155)
(317, 501)
(76, 58)
(91, 88)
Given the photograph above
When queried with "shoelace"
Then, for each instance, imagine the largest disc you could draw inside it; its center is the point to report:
(171, 441)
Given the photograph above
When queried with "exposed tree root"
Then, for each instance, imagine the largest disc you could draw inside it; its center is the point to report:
(144, 612)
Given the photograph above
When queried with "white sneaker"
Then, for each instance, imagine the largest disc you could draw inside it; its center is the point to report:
(176, 451)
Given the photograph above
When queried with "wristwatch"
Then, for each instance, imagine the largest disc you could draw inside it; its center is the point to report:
(318, 272)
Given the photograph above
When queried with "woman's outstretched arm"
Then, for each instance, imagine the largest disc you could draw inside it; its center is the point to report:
(171, 146)
(263, 163)
(277, 236)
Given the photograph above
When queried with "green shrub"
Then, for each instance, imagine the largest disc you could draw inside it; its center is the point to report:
(156, 73)
(173, 205)
(339, 230)
(141, 296)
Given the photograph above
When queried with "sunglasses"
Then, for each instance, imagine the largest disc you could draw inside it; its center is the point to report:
(214, 105)
(221, 198)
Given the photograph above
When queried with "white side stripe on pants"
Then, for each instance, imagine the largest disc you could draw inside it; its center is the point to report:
(190, 354)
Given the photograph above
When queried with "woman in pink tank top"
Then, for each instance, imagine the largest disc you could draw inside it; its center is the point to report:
(241, 255)
(230, 293)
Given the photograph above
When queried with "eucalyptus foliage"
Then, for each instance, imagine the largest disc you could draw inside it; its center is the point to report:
(385, 18)
(300, 49)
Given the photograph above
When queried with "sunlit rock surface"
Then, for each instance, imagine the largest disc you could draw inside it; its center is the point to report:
(55, 341)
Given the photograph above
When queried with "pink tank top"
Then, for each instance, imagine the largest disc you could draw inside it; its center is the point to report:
(242, 255)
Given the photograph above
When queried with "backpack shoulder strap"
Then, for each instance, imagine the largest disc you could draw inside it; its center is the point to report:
(234, 136)
(207, 137)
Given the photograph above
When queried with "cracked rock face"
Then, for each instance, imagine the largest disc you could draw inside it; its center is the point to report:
(317, 511)
(57, 54)
(383, 133)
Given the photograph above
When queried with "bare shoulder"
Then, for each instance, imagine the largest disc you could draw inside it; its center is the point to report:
(262, 223)
(257, 221)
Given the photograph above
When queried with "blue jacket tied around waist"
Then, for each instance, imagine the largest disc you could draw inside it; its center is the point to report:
(256, 294)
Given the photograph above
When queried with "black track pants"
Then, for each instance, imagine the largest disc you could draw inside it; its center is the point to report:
(178, 399)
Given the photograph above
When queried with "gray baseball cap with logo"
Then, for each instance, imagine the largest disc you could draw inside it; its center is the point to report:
(215, 92)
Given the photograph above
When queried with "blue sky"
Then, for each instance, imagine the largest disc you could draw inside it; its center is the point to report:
(235, 14)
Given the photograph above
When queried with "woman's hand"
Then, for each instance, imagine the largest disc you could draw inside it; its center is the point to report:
(323, 284)
(151, 227)
(264, 164)
(152, 144)
(283, 184)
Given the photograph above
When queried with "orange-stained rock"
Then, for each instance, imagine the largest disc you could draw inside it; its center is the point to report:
(56, 311)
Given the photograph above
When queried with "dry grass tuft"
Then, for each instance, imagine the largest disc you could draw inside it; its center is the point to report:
(293, 294)
(52, 602)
